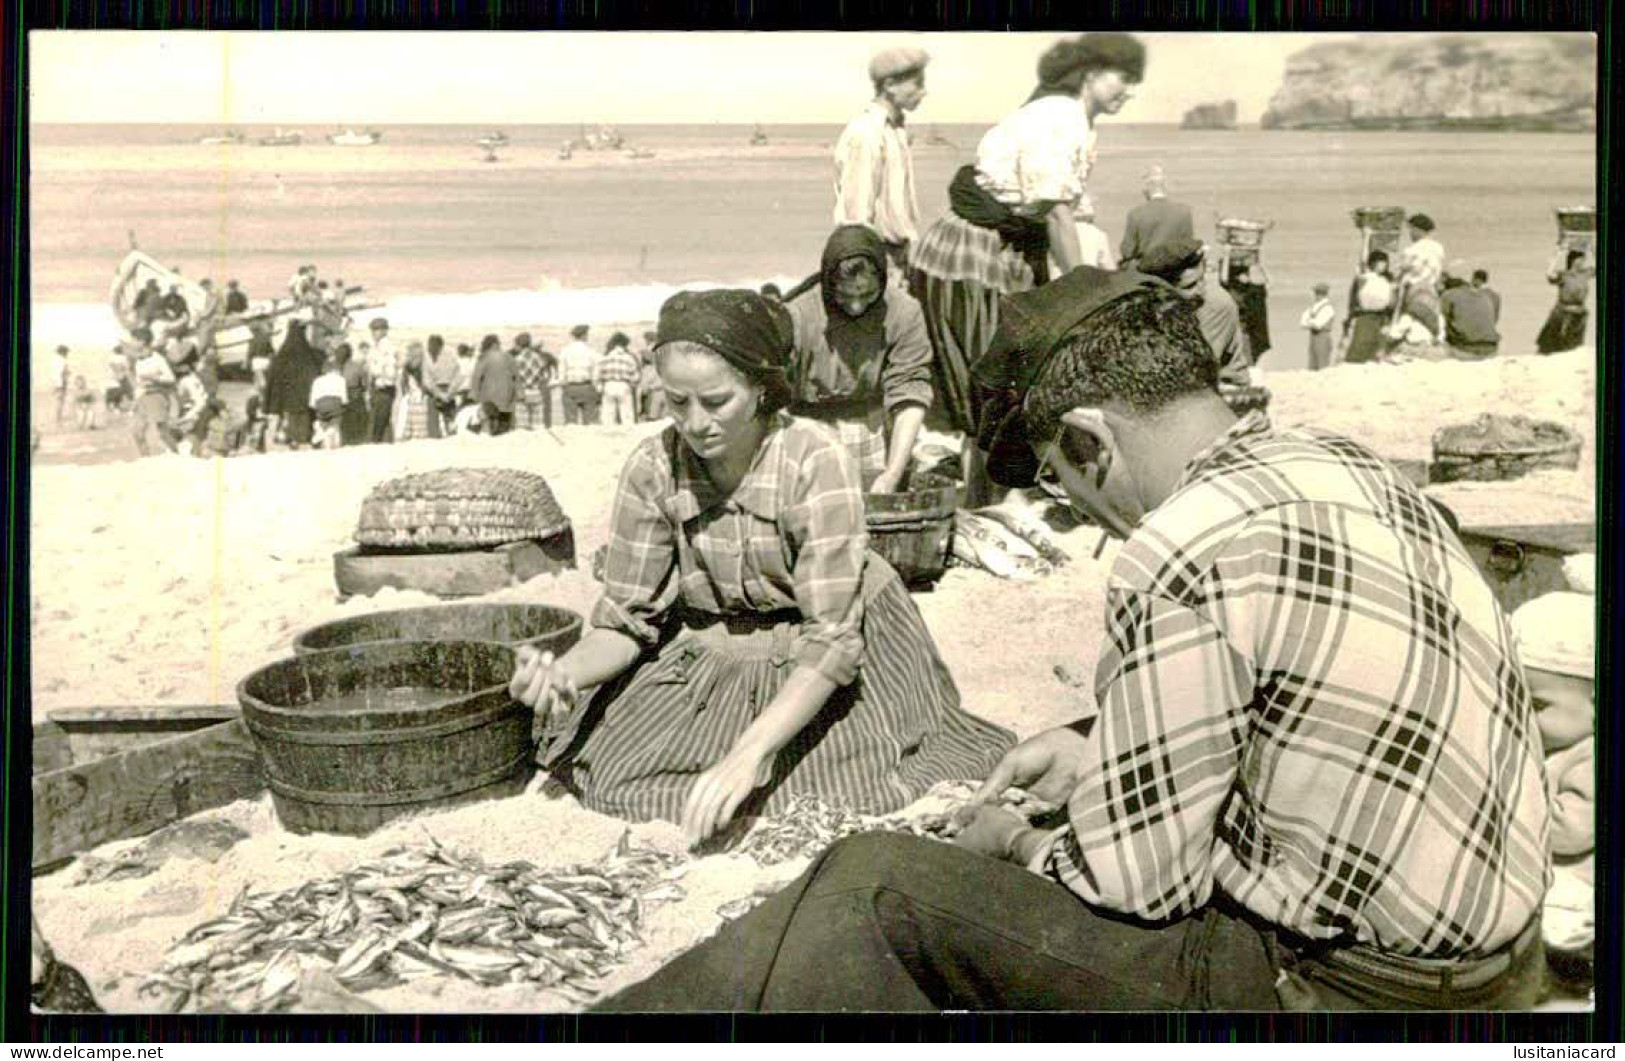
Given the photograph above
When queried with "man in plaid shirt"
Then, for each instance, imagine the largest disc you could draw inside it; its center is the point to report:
(1314, 778)
(617, 375)
(533, 370)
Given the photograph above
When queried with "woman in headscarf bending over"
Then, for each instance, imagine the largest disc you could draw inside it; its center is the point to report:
(862, 358)
(748, 648)
(1014, 208)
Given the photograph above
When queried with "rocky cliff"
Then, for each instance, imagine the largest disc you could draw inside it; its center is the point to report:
(1211, 116)
(1482, 81)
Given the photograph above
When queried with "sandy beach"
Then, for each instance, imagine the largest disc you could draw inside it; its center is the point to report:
(169, 579)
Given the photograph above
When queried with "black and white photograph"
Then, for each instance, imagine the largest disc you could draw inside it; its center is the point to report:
(808, 522)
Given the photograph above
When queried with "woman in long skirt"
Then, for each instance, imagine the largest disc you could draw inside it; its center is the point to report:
(1565, 327)
(1013, 210)
(748, 647)
(1371, 304)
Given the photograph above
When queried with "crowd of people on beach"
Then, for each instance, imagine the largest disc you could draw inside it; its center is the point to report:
(1316, 774)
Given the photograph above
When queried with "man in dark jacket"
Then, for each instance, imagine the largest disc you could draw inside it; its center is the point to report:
(1156, 221)
(1470, 315)
(493, 386)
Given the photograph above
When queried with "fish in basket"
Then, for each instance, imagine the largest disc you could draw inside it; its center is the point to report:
(456, 532)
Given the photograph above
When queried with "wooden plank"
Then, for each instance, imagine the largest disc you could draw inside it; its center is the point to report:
(470, 573)
(51, 748)
(93, 732)
(1564, 538)
(143, 789)
(125, 714)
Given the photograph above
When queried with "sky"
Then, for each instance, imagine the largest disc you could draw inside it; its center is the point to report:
(349, 78)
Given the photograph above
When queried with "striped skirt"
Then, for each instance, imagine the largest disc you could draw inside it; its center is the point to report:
(636, 748)
(958, 272)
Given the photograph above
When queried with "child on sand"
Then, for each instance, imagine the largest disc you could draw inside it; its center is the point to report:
(1557, 642)
(84, 404)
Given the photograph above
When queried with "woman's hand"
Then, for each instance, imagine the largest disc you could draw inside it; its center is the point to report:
(719, 791)
(885, 483)
(544, 683)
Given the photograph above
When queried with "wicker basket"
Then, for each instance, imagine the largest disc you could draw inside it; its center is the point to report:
(459, 508)
(1379, 218)
(1502, 447)
(1239, 232)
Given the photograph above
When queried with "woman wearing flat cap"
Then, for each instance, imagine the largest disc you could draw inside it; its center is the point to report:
(748, 647)
(1013, 209)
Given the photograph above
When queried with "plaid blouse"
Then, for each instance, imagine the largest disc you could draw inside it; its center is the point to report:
(533, 369)
(619, 365)
(1309, 700)
(790, 537)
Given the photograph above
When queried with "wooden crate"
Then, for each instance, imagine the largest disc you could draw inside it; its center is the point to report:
(162, 767)
(469, 573)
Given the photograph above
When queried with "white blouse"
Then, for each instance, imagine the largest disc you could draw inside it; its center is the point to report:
(1039, 155)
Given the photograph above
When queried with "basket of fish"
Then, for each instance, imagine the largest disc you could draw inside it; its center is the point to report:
(355, 737)
(1501, 447)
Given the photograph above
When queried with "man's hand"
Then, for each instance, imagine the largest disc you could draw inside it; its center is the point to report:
(1047, 765)
(991, 831)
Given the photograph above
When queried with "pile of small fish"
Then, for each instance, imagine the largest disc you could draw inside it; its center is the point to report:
(807, 825)
(421, 911)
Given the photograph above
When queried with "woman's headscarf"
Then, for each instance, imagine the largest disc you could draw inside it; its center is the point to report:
(864, 336)
(751, 333)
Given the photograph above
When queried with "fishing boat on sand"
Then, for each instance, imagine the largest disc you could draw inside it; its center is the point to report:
(230, 136)
(282, 139)
(232, 333)
(758, 138)
(351, 138)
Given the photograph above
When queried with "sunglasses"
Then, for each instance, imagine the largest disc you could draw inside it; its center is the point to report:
(1080, 450)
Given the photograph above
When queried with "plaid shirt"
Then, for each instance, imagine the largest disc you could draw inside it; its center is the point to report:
(1309, 699)
(791, 536)
(533, 369)
(619, 365)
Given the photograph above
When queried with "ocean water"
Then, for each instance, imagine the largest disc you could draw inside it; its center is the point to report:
(450, 240)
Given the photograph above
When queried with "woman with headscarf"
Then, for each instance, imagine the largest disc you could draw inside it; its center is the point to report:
(415, 412)
(287, 385)
(862, 358)
(1565, 326)
(1371, 304)
(1015, 207)
(739, 599)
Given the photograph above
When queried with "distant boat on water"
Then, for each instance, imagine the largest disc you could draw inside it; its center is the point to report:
(491, 140)
(282, 139)
(640, 152)
(230, 136)
(351, 138)
(758, 138)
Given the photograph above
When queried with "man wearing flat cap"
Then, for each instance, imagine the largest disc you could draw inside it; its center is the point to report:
(874, 171)
(1183, 264)
(1312, 781)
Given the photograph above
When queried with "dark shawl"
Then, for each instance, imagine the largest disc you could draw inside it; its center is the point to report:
(293, 371)
(1028, 236)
